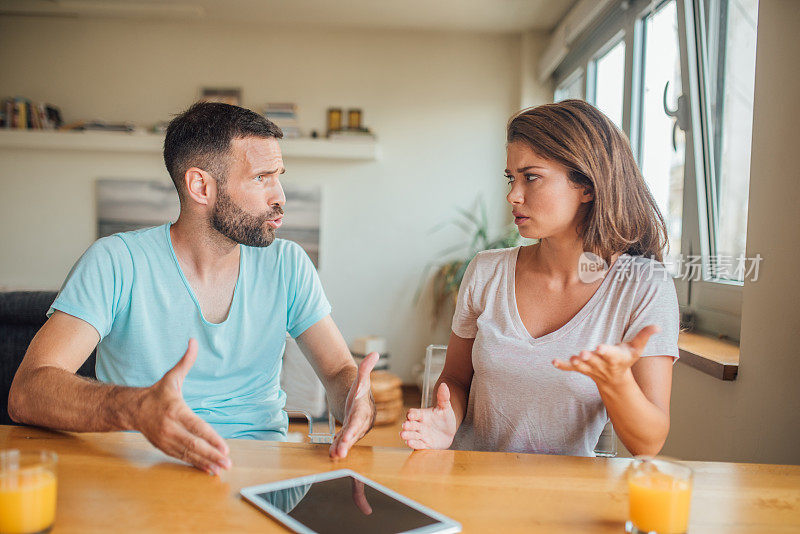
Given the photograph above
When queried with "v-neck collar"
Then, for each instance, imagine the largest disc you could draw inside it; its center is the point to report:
(587, 308)
(236, 289)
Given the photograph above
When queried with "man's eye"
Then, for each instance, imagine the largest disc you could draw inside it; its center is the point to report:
(259, 178)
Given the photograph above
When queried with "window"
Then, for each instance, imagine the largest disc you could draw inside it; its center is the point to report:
(732, 82)
(662, 142)
(678, 76)
(609, 82)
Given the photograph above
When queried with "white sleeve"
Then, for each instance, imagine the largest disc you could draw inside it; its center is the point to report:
(465, 318)
(657, 304)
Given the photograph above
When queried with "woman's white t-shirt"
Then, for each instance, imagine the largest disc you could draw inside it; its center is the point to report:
(518, 401)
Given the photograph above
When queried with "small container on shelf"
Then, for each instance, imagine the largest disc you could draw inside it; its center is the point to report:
(354, 119)
(361, 346)
(334, 120)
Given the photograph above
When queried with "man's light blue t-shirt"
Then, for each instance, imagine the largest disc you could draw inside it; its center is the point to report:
(130, 288)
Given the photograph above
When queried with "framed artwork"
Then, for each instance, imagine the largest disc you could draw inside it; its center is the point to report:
(232, 96)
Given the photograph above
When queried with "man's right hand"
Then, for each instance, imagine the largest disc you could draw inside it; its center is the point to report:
(167, 422)
(431, 428)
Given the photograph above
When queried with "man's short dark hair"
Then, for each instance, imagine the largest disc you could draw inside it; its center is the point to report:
(201, 137)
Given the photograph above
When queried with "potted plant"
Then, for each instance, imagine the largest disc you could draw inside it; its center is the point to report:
(448, 274)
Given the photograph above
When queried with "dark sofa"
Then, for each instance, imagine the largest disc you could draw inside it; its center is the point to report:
(22, 314)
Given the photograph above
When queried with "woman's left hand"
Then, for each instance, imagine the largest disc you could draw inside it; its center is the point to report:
(608, 365)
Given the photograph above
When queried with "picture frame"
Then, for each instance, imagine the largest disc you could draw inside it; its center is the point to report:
(224, 95)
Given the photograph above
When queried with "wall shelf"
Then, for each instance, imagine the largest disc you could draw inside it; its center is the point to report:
(140, 142)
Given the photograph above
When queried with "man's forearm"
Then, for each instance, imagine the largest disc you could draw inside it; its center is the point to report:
(338, 388)
(55, 398)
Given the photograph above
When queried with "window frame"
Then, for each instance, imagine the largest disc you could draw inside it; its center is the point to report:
(568, 80)
(711, 305)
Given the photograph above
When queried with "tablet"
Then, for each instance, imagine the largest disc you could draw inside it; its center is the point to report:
(344, 501)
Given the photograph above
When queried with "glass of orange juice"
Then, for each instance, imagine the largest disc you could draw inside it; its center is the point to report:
(27, 491)
(659, 495)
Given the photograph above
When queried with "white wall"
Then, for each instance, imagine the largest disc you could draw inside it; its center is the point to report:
(532, 91)
(438, 101)
(757, 417)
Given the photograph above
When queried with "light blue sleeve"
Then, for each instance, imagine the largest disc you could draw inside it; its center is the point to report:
(307, 302)
(99, 285)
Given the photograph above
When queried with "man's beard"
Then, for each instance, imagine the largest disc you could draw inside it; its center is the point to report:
(241, 227)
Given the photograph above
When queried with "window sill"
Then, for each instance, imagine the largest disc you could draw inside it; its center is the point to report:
(710, 355)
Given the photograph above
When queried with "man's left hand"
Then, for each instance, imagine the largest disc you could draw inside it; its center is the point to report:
(359, 410)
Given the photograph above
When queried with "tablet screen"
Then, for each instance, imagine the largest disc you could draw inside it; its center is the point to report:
(346, 504)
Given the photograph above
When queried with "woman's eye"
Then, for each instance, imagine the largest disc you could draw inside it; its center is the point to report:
(531, 177)
(509, 179)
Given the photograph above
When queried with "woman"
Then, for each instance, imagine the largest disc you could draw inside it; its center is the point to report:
(544, 349)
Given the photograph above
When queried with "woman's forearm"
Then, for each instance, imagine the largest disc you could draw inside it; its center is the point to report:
(459, 396)
(641, 425)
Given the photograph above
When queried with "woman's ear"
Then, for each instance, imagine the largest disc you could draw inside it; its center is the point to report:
(581, 181)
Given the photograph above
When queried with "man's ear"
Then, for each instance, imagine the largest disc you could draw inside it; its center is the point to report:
(200, 186)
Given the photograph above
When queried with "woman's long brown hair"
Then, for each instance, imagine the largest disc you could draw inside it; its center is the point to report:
(623, 217)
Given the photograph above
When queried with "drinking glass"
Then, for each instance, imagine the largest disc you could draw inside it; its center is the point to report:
(660, 491)
(27, 491)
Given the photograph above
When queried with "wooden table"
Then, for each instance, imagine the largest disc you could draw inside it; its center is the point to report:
(118, 482)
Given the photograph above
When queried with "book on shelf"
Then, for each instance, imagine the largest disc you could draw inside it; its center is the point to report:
(281, 107)
(21, 114)
(284, 116)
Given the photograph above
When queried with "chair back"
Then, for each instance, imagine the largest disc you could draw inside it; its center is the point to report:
(434, 363)
(305, 394)
(607, 444)
(22, 314)
(316, 437)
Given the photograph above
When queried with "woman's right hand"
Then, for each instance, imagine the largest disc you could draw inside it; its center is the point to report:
(431, 428)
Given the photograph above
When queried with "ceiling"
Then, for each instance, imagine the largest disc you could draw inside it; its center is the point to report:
(495, 16)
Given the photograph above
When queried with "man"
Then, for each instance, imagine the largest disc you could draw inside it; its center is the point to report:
(215, 286)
